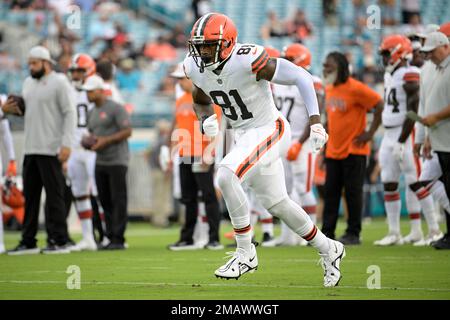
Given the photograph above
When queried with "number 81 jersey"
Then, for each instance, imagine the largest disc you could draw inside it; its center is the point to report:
(245, 102)
(395, 107)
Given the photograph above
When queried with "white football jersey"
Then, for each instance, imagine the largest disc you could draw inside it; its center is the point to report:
(245, 102)
(83, 107)
(395, 109)
(290, 103)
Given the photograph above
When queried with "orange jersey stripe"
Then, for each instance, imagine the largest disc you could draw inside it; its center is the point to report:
(260, 150)
(260, 62)
(261, 65)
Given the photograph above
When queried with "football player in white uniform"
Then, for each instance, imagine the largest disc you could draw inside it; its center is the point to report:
(11, 170)
(236, 77)
(81, 164)
(299, 161)
(396, 156)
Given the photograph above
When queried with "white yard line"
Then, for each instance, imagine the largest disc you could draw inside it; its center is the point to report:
(138, 283)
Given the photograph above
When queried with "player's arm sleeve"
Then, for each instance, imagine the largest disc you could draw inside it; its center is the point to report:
(7, 140)
(67, 104)
(287, 73)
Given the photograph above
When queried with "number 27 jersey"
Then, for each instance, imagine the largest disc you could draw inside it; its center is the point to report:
(395, 107)
(245, 102)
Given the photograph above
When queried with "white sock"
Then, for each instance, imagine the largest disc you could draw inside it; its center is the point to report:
(86, 229)
(320, 241)
(244, 238)
(428, 209)
(413, 206)
(415, 222)
(393, 205)
(84, 209)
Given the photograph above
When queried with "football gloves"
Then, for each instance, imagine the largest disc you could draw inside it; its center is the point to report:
(318, 137)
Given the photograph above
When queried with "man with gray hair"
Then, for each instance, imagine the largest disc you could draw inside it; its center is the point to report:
(50, 122)
(435, 110)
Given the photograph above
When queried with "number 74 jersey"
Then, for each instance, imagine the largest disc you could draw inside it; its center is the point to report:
(245, 102)
(395, 107)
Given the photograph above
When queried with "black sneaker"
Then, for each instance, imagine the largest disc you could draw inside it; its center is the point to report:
(173, 218)
(53, 248)
(268, 240)
(348, 239)
(214, 245)
(114, 246)
(443, 243)
(71, 242)
(23, 249)
(183, 245)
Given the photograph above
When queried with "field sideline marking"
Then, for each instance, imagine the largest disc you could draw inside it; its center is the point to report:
(211, 285)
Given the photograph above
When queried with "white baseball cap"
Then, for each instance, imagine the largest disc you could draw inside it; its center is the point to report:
(93, 83)
(179, 71)
(435, 40)
(40, 52)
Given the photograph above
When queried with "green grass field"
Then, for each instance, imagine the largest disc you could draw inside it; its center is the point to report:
(147, 270)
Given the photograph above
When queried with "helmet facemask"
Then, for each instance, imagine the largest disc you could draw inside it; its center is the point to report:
(77, 83)
(209, 62)
(217, 46)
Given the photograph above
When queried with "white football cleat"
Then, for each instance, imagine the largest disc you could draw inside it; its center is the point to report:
(413, 237)
(429, 239)
(240, 262)
(85, 245)
(389, 240)
(331, 263)
(2, 247)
